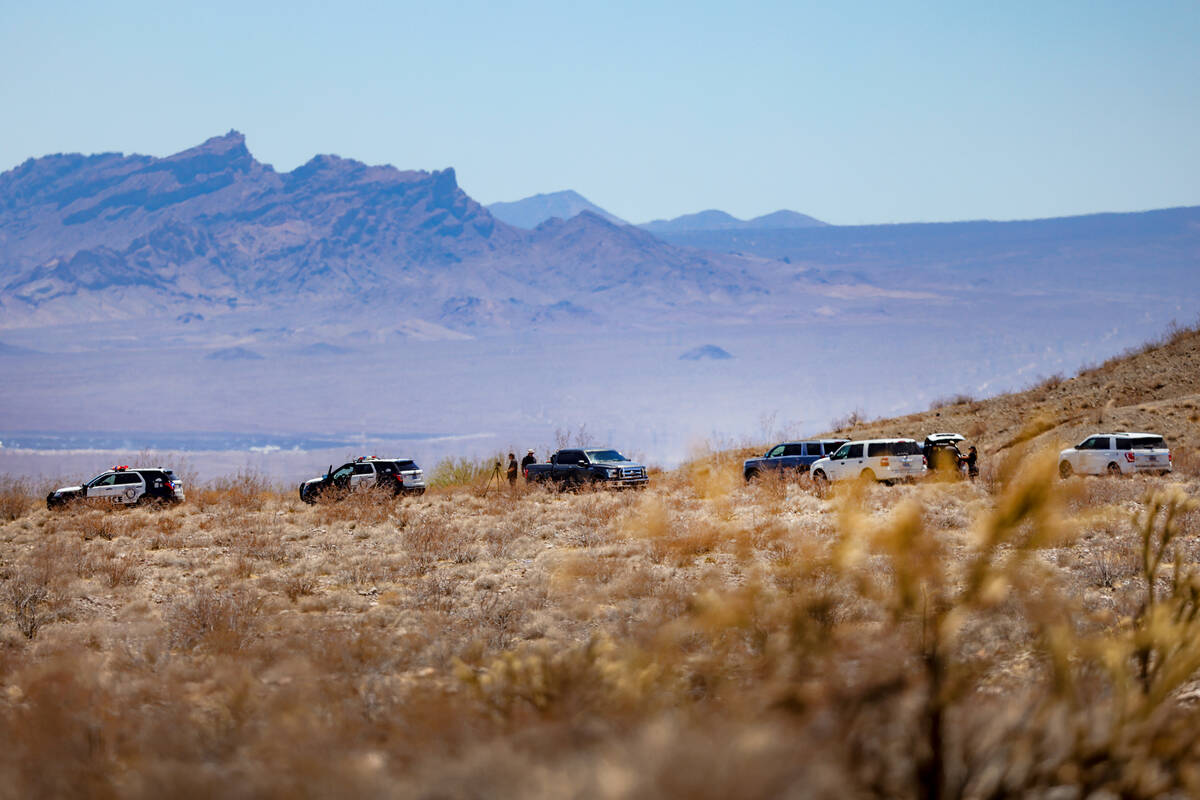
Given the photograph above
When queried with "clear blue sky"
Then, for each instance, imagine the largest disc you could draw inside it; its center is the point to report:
(852, 112)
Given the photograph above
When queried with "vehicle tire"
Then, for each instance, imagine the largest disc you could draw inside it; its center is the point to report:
(1064, 470)
(868, 475)
(1114, 469)
(146, 501)
(819, 477)
(750, 475)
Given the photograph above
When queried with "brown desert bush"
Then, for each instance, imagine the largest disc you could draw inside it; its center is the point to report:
(220, 619)
(17, 498)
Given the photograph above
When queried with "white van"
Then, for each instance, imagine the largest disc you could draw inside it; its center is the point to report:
(885, 460)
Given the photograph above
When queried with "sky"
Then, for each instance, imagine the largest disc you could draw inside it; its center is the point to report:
(855, 112)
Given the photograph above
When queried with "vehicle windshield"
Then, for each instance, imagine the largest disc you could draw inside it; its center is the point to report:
(604, 455)
(1147, 443)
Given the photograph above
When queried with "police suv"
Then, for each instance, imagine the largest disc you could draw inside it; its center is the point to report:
(123, 486)
(396, 475)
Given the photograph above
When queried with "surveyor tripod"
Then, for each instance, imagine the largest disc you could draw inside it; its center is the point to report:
(495, 476)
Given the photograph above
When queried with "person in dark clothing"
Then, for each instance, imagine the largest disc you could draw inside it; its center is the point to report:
(972, 463)
(529, 458)
(512, 469)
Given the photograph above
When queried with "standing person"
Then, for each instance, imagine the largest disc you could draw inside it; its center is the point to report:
(512, 469)
(529, 458)
(972, 463)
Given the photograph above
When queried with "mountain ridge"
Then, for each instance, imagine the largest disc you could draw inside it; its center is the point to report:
(210, 228)
(529, 212)
(716, 220)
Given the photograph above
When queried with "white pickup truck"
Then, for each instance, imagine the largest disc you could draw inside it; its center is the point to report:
(1116, 454)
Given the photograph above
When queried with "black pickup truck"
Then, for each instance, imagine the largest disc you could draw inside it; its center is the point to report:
(569, 468)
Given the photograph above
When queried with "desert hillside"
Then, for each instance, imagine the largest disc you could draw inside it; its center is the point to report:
(1156, 388)
(1016, 636)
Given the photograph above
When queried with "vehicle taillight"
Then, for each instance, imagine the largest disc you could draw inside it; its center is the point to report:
(883, 462)
(924, 461)
(1170, 457)
(1129, 456)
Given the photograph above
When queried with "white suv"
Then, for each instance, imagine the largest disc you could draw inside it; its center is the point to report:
(1116, 454)
(885, 460)
(123, 486)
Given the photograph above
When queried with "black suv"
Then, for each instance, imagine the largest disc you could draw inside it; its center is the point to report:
(396, 475)
(123, 486)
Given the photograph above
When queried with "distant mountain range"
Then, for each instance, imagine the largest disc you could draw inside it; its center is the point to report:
(533, 211)
(213, 230)
(714, 220)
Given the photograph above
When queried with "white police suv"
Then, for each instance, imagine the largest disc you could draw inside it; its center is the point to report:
(123, 486)
(395, 475)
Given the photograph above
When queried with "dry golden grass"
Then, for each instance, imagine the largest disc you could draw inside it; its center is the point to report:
(1020, 635)
(1015, 636)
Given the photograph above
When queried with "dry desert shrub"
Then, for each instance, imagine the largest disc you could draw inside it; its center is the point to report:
(116, 567)
(219, 619)
(245, 491)
(96, 524)
(365, 506)
(432, 535)
(299, 584)
(1187, 461)
(961, 399)
(17, 498)
(26, 597)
